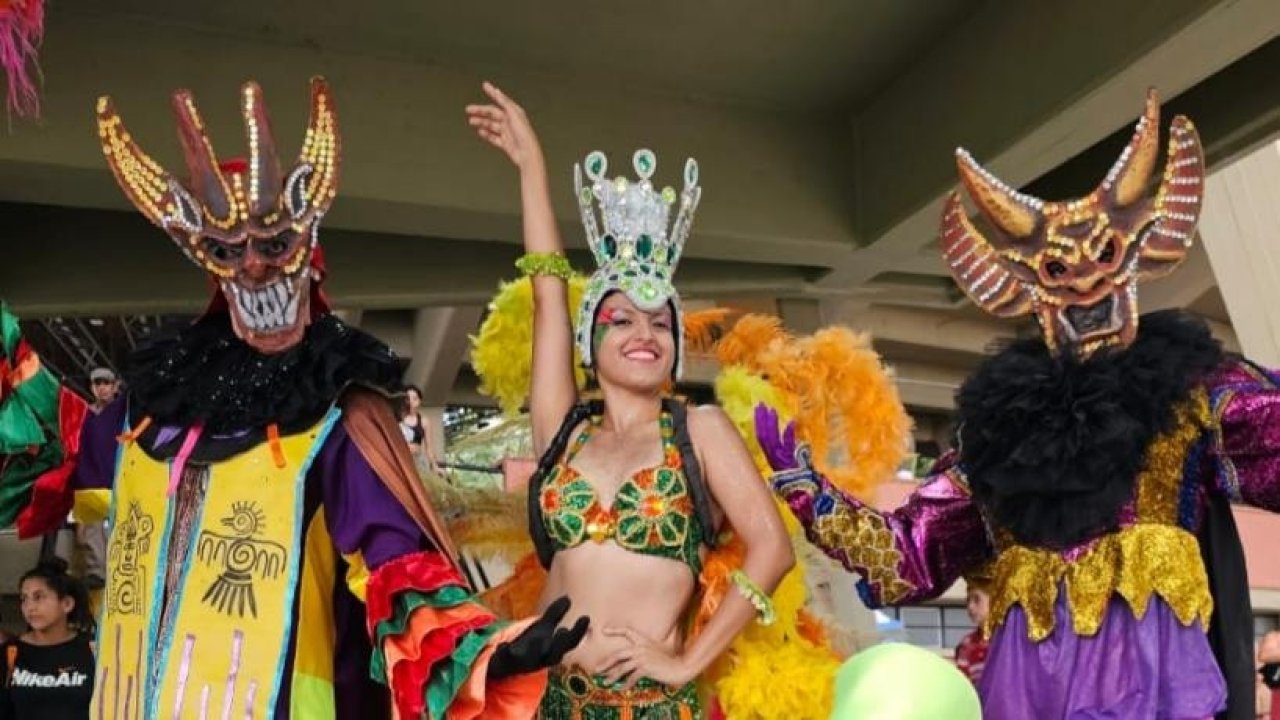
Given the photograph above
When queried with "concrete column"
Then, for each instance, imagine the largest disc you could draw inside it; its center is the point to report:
(1240, 227)
(439, 346)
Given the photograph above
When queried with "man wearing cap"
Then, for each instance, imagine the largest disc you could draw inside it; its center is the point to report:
(105, 387)
(93, 536)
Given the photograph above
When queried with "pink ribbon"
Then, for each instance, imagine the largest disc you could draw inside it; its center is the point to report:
(184, 454)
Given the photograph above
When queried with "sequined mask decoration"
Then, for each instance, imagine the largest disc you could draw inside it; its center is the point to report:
(638, 250)
(247, 224)
(1076, 265)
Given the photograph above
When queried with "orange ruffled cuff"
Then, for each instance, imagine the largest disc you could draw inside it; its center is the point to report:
(434, 644)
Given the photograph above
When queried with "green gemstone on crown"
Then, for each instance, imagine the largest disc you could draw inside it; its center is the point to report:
(668, 195)
(596, 164)
(648, 291)
(691, 172)
(610, 246)
(644, 246)
(660, 255)
(645, 163)
(584, 197)
(620, 184)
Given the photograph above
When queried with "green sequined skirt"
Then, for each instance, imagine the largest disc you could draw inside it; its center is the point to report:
(575, 695)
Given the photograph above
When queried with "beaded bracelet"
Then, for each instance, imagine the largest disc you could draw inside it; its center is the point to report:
(552, 264)
(754, 595)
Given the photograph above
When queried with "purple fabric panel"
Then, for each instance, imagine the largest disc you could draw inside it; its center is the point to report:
(96, 466)
(1153, 669)
(362, 513)
(356, 694)
(1246, 401)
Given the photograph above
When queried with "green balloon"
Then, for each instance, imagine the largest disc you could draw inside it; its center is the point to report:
(896, 681)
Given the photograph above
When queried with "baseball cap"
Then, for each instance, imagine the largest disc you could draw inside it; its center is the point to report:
(102, 375)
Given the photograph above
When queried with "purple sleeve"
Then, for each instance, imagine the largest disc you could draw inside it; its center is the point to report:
(911, 554)
(1245, 445)
(363, 516)
(96, 467)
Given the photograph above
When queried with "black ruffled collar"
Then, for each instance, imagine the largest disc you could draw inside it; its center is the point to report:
(204, 374)
(1053, 445)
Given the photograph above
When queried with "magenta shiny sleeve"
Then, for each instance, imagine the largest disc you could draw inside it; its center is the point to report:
(1245, 434)
(913, 553)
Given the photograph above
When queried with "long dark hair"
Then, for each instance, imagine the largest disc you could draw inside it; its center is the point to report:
(53, 572)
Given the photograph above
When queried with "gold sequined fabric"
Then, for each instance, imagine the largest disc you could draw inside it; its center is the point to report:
(869, 542)
(1135, 563)
(1154, 555)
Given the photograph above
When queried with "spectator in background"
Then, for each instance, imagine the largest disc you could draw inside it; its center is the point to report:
(1269, 660)
(105, 385)
(971, 653)
(49, 669)
(92, 537)
(417, 431)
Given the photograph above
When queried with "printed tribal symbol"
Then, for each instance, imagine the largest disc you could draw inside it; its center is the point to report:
(130, 540)
(243, 556)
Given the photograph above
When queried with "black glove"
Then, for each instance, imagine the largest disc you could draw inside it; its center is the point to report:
(1270, 675)
(541, 645)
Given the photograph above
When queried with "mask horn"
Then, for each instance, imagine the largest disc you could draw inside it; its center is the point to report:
(1178, 203)
(977, 267)
(144, 182)
(321, 152)
(1012, 212)
(264, 164)
(1127, 180)
(207, 182)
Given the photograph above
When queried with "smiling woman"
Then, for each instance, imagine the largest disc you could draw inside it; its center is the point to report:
(622, 517)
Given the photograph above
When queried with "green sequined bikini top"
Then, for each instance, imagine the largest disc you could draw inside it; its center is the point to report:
(652, 514)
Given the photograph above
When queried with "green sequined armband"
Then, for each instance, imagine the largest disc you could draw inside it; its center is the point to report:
(552, 264)
(754, 595)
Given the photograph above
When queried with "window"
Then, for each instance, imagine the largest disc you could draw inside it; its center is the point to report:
(1264, 623)
(933, 626)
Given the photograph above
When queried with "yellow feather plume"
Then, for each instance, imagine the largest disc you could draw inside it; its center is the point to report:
(502, 352)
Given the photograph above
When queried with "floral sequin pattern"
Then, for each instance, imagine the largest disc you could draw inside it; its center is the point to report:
(565, 500)
(653, 512)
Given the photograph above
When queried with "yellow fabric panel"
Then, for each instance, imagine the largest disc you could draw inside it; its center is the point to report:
(91, 506)
(311, 698)
(234, 601)
(315, 647)
(357, 574)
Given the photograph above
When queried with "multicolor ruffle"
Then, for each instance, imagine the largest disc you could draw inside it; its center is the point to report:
(433, 643)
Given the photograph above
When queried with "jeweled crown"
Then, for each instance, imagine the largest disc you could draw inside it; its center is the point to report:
(635, 215)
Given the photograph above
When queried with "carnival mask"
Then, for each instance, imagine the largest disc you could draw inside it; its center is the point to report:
(1076, 265)
(250, 226)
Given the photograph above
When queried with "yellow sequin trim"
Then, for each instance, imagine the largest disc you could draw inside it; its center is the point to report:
(1135, 563)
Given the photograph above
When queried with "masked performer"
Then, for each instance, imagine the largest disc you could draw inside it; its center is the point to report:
(1095, 464)
(631, 489)
(269, 533)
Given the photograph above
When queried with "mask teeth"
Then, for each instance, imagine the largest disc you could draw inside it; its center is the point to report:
(268, 309)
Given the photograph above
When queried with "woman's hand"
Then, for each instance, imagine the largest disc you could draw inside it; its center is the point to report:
(505, 125)
(643, 658)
